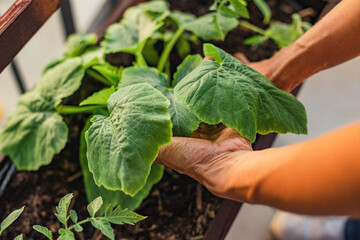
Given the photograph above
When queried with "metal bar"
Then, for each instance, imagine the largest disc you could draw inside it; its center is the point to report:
(101, 16)
(115, 15)
(8, 176)
(18, 77)
(20, 22)
(67, 18)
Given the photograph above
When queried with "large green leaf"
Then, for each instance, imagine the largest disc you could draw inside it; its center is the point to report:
(62, 80)
(205, 26)
(114, 198)
(123, 146)
(187, 66)
(138, 24)
(184, 121)
(34, 133)
(230, 92)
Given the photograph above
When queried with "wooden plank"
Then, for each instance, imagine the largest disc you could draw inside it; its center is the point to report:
(23, 19)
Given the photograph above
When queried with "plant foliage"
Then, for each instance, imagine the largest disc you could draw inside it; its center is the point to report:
(142, 106)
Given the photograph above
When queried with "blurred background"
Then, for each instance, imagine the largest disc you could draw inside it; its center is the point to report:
(331, 98)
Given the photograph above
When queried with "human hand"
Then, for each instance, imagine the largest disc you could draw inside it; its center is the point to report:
(276, 69)
(206, 160)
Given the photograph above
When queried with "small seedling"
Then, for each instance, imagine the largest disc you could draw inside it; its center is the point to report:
(103, 223)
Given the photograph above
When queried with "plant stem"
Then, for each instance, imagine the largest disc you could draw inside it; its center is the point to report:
(169, 46)
(99, 77)
(75, 109)
(79, 223)
(252, 27)
(140, 60)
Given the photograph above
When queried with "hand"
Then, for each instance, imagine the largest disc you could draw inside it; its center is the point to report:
(204, 160)
(271, 68)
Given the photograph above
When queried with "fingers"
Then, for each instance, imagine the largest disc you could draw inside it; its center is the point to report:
(208, 58)
(242, 58)
(182, 153)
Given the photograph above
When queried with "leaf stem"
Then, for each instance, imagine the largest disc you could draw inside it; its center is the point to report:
(140, 60)
(79, 223)
(99, 77)
(167, 50)
(64, 109)
(252, 27)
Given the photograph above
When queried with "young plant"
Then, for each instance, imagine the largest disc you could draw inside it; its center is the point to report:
(142, 107)
(9, 220)
(103, 223)
(281, 33)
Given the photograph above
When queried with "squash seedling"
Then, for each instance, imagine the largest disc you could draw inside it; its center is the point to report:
(143, 106)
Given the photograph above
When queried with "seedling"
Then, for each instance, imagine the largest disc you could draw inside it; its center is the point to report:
(103, 223)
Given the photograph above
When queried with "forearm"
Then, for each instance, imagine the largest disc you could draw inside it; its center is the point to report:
(321, 176)
(333, 40)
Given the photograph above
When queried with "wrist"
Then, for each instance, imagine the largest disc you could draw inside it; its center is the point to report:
(290, 66)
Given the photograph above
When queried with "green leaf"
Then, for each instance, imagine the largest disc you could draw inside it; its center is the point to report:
(127, 142)
(66, 235)
(234, 94)
(183, 47)
(115, 198)
(62, 80)
(94, 206)
(43, 230)
(52, 64)
(151, 55)
(78, 228)
(77, 43)
(138, 24)
(62, 208)
(188, 65)
(255, 40)
(92, 56)
(111, 73)
(19, 237)
(138, 74)
(227, 11)
(184, 121)
(99, 98)
(104, 227)
(121, 216)
(240, 8)
(264, 9)
(204, 27)
(73, 216)
(180, 17)
(10, 219)
(34, 132)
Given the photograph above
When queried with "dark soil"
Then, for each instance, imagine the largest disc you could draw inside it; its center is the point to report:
(177, 208)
